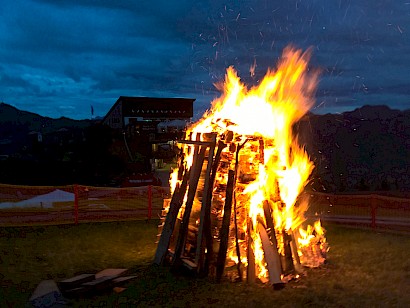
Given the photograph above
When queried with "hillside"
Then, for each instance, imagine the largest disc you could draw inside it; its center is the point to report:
(12, 118)
(36, 150)
(362, 150)
(365, 149)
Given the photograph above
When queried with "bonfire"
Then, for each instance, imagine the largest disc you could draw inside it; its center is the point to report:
(236, 192)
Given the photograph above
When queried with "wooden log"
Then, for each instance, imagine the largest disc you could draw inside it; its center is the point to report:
(261, 151)
(196, 168)
(224, 232)
(208, 228)
(267, 209)
(295, 255)
(196, 142)
(170, 220)
(238, 249)
(205, 232)
(181, 167)
(200, 246)
(287, 260)
(75, 282)
(172, 242)
(229, 136)
(189, 264)
(271, 257)
(250, 270)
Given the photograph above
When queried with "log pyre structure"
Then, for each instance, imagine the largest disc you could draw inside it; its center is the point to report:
(206, 225)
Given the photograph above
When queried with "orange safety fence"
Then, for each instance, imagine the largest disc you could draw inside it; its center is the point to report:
(28, 205)
(371, 210)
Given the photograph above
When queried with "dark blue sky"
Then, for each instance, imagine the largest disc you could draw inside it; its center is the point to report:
(57, 58)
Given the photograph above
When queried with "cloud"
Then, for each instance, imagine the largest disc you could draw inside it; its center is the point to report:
(76, 52)
(15, 82)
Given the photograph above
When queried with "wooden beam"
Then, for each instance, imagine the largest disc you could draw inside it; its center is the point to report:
(271, 257)
(208, 205)
(267, 210)
(261, 151)
(196, 168)
(272, 234)
(295, 255)
(170, 220)
(226, 221)
(196, 142)
(238, 249)
(287, 260)
(206, 202)
(250, 271)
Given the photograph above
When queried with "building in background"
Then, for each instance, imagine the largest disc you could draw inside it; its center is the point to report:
(148, 111)
(150, 126)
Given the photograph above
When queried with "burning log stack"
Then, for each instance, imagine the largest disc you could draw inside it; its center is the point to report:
(235, 192)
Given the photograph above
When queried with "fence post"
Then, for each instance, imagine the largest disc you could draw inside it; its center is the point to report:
(373, 210)
(76, 204)
(149, 202)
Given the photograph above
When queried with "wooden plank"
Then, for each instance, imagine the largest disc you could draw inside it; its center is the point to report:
(92, 287)
(98, 284)
(287, 261)
(250, 270)
(170, 220)
(112, 272)
(267, 210)
(207, 226)
(196, 142)
(271, 256)
(124, 279)
(295, 255)
(238, 250)
(261, 151)
(75, 281)
(206, 202)
(189, 264)
(196, 168)
(226, 221)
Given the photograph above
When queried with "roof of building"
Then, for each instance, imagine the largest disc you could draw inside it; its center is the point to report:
(155, 108)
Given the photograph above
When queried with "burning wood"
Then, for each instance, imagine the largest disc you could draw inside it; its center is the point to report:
(241, 203)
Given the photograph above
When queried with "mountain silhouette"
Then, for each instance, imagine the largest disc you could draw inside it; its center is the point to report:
(14, 118)
(365, 149)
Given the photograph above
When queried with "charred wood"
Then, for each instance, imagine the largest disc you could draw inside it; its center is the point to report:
(250, 271)
(271, 257)
(224, 233)
(170, 220)
(193, 182)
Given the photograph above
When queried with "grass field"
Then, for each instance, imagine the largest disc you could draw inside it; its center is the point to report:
(364, 269)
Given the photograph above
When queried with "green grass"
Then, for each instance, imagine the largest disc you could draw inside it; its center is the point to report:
(364, 269)
(31, 254)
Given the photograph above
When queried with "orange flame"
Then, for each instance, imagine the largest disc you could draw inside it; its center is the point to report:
(268, 111)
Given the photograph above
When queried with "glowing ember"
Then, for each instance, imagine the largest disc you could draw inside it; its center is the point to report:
(271, 168)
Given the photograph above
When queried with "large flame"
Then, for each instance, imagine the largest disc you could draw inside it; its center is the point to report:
(268, 111)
